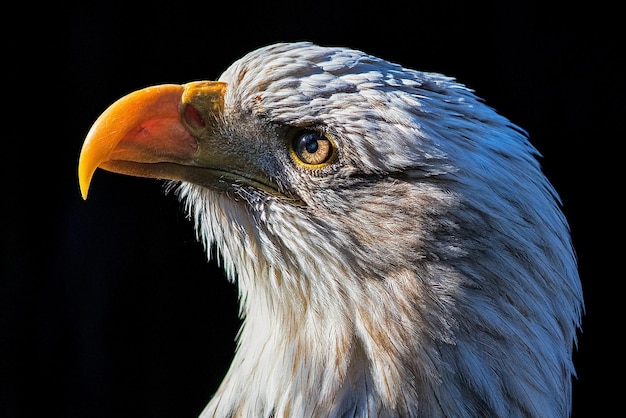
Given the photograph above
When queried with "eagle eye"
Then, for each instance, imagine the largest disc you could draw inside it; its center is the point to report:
(313, 149)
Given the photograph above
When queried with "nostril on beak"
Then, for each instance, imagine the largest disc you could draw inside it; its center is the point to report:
(192, 117)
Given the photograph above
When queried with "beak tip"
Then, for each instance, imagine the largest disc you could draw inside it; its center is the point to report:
(83, 192)
(84, 180)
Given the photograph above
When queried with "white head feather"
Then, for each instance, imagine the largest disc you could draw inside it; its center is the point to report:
(426, 272)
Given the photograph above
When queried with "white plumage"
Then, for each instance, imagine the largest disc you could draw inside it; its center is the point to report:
(422, 268)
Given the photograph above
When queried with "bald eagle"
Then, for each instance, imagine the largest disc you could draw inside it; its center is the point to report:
(397, 250)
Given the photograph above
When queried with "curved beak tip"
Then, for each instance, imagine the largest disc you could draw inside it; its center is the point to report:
(84, 187)
(84, 176)
(90, 158)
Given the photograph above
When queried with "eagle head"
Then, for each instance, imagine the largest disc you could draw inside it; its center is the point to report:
(398, 251)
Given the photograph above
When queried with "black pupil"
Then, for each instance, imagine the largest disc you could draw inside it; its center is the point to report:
(310, 143)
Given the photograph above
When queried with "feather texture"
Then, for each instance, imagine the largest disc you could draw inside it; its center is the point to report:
(427, 272)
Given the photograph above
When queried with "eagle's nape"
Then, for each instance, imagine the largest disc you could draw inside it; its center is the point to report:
(397, 249)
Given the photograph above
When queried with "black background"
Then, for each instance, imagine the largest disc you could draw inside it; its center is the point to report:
(108, 307)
